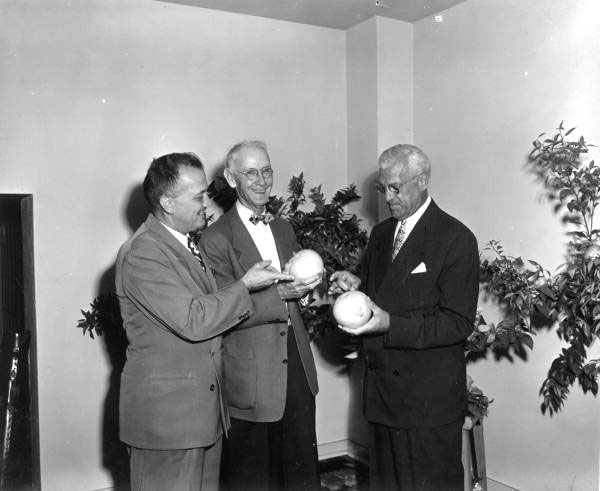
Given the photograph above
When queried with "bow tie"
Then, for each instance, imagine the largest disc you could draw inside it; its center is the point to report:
(263, 217)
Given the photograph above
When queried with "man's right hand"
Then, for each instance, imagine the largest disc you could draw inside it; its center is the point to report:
(261, 275)
(342, 281)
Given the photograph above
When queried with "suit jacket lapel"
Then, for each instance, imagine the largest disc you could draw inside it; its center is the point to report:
(245, 247)
(413, 250)
(416, 249)
(284, 248)
(383, 249)
(204, 279)
(241, 240)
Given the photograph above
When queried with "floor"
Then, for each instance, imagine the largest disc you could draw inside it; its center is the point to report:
(347, 474)
(344, 474)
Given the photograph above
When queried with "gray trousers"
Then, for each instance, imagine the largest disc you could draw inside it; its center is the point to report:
(194, 469)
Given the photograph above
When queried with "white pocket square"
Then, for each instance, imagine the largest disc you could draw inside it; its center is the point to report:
(421, 268)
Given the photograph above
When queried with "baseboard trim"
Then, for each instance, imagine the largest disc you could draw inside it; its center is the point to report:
(495, 485)
(343, 447)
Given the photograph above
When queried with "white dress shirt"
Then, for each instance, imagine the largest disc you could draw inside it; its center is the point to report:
(261, 235)
(178, 235)
(412, 220)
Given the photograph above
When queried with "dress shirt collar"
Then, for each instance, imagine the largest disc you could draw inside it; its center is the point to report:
(182, 238)
(245, 214)
(262, 236)
(412, 220)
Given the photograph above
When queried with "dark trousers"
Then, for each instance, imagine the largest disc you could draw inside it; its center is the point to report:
(277, 456)
(416, 459)
(194, 469)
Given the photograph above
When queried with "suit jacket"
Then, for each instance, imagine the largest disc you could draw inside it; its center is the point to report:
(255, 352)
(173, 316)
(416, 373)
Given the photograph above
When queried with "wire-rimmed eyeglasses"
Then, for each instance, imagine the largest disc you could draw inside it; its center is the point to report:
(252, 174)
(396, 187)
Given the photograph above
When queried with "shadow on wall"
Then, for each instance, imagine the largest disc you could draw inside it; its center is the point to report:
(370, 201)
(357, 424)
(333, 347)
(216, 208)
(114, 453)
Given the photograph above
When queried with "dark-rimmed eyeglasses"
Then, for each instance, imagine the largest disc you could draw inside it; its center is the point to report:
(396, 187)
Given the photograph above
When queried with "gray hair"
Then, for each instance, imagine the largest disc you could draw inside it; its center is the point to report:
(406, 154)
(234, 152)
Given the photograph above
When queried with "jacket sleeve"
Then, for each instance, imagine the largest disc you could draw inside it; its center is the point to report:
(268, 307)
(151, 281)
(451, 320)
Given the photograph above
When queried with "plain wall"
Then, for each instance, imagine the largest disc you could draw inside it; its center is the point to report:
(379, 54)
(395, 91)
(363, 128)
(380, 102)
(488, 79)
(90, 92)
(395, 94)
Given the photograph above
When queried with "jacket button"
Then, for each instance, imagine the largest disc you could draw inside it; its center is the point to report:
(285, 361)
(396, 373)
(212, 387)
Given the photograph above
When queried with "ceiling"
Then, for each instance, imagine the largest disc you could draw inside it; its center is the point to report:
(339, 14)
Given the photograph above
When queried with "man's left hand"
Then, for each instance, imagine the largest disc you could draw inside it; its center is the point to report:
(378, 324)
(296, 289)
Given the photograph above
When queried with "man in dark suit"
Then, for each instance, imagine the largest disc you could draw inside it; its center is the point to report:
(171, 410)
(270, 378)
(421, 273)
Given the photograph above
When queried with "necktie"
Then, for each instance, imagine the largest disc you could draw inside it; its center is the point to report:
(195, 252)
(263, 217)
(399, 239)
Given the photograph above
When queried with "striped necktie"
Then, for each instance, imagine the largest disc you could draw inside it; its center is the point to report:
(195, 252)
(399, 239)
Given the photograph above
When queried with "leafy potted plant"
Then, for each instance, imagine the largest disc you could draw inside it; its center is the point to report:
(327, 228)
(568, 302)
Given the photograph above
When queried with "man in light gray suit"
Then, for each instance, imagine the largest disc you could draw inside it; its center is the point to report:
(171, 409)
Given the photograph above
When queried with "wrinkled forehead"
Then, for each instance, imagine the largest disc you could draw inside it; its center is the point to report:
(251, 158)
(393, 171)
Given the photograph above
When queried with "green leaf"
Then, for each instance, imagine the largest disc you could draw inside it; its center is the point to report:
(546, 290)
(564, 193)
(526, 340)
(317, 197)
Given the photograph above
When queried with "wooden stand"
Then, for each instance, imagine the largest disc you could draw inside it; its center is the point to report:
(473, 458)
